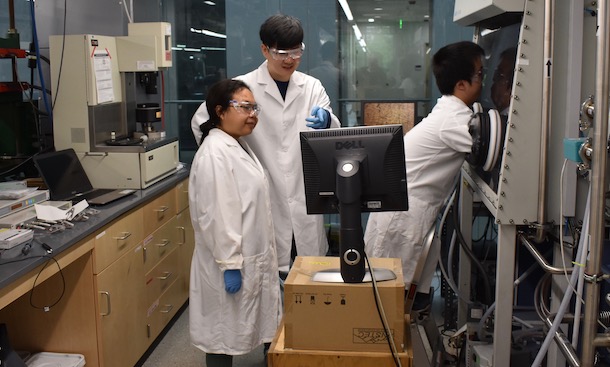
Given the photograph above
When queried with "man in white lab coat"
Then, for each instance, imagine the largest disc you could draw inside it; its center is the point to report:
(290, 102)
(434, 152)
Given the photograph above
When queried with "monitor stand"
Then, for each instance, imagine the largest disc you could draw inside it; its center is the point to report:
(334, 275)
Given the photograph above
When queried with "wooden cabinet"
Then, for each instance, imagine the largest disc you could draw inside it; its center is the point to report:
(117, 238)
(65, 290)
(112, 293)
(186, 235)
(164, 294)
(119, 269)
(168, 252)
(143, 283)
(160, 243)
(162, 264)
(158, 211)
(120, 299)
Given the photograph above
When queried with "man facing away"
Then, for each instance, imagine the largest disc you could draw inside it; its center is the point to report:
(434, 152)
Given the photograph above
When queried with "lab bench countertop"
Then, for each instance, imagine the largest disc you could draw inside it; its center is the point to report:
(15, 264)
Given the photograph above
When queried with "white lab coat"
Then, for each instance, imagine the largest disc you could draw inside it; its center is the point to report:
(231, 215)
(435, 150)
(277, 144)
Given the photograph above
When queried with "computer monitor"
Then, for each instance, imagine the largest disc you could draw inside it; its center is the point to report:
(350, 171)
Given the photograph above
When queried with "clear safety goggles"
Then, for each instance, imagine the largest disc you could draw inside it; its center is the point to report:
(282, 55)
(477, 77)
(246, 107)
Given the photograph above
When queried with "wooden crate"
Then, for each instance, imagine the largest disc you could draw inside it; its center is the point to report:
(278, 356)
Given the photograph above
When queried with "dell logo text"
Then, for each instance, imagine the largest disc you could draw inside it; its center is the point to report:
(349, 145)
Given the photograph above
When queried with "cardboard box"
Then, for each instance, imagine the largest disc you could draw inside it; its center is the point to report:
(341, 316)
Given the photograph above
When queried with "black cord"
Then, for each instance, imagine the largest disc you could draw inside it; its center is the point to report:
(468, 251)
(484, 235)
(63, 288)
(386, 328)
(24, 162)
(61, 60)
(49, 258)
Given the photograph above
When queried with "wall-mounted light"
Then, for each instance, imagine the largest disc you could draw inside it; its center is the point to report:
(208, 33)
(346, 9)
(357, 31)
(209, 2)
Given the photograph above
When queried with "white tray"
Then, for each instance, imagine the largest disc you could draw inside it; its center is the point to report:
(47, 359)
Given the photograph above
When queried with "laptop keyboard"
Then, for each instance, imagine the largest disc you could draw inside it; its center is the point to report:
(93, 194)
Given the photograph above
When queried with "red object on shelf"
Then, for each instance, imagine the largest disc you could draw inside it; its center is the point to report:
(7, 87)
(12, 52)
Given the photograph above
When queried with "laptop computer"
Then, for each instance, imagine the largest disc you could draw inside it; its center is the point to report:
(67, 180)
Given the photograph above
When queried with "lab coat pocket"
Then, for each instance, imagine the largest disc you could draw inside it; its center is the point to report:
(251, 286)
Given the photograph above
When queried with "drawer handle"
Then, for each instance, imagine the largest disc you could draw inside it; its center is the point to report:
(163, 209)
(183, 230)
(107, 294)
(93, 154)
(168, 309)
(164, 243)
(166, 275)
(125, 236)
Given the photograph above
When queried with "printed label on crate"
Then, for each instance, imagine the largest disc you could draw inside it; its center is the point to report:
(369, 335)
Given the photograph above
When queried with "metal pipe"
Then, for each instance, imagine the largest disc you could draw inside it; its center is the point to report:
(598, 185)
(11, 16)
(602, 340)
(549, 7)
(540, 259)
(564, 345)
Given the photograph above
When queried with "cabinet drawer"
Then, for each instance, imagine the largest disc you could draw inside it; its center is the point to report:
(182, 195)
(162, 310)
(186, 236)
(159, 211)
(117, 238)
(160, 243)
(120, 303)
(162, 276)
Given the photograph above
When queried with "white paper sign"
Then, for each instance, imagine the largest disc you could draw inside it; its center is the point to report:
(103, 76)
(51, 213)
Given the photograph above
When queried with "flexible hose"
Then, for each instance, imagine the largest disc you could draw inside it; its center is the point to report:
(491, 308)
(565, 302)
(578, 305)
(447, 274)
(472, 257)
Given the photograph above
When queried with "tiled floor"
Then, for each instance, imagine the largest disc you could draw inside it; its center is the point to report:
(175, 349)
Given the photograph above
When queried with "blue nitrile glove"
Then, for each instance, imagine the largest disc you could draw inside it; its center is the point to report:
(232, 280)
(320, 119)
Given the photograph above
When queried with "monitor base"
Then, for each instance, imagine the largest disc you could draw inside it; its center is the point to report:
(334, 275)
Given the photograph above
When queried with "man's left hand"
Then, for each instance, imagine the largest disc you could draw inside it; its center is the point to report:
(320, 118)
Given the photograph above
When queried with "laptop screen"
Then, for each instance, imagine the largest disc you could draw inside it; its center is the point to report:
(63, 174)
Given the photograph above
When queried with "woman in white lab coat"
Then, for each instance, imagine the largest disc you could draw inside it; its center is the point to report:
(234, 290)
(287, 98)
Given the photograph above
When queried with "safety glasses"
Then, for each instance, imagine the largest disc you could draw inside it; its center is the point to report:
(246, 107)
(282, 55)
